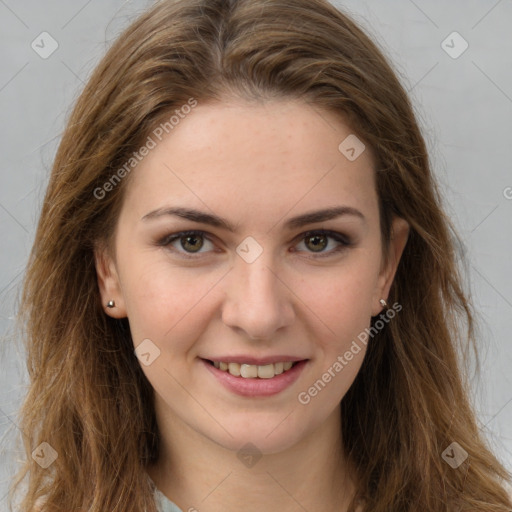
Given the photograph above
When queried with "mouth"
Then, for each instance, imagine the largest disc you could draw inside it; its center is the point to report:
(252, 371)
(252, 381)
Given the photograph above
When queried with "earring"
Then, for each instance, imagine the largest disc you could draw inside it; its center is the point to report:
(111, 304)
(383, 303)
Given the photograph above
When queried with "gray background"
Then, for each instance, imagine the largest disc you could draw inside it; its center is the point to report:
(464, 105)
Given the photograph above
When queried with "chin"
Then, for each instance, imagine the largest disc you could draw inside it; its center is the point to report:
(264, 436)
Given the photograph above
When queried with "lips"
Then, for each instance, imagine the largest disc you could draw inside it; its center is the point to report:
(258, 361)
(256, 386)
(251, 371)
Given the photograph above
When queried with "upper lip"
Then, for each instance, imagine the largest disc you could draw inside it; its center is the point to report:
(258, 361)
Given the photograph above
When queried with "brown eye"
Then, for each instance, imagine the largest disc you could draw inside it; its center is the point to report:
(191, 243)
(187, 243)
(324, 243)
(316, 243)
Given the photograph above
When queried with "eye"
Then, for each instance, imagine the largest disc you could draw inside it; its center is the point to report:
(188, 242)
(317, 241)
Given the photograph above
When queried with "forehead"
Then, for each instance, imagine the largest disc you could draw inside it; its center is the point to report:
(253, 158)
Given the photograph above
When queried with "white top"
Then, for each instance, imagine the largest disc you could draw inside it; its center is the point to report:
(164, 504)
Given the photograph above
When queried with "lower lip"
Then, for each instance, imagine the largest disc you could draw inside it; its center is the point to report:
(256, 386)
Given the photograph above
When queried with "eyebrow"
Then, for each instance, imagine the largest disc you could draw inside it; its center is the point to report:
(293, 223)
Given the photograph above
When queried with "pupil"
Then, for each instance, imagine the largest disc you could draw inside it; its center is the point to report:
(195, 246)
(318, 245)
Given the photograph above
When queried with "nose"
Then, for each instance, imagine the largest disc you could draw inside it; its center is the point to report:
(258, 303)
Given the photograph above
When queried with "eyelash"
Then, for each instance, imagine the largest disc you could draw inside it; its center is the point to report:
(338, 237)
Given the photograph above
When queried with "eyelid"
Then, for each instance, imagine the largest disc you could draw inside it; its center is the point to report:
(172, 237)
(344, 240)
(327, 232)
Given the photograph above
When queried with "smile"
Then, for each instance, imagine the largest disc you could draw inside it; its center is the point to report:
(268, 384)
(252, 371)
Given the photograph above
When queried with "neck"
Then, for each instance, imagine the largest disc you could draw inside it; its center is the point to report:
(198, 474)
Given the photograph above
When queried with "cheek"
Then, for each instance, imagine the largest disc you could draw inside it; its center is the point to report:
(339, 299)
(165, 302)
(338, 307)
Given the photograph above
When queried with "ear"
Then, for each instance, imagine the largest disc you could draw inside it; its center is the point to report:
(108, 282)
(399, 236)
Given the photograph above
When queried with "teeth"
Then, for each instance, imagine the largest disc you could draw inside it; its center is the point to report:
(247, 371)
(234, 369)
(252, 371)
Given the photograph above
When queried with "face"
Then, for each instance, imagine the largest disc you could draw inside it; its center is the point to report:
(264, 284)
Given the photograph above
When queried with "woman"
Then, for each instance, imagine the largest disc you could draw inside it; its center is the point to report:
(243, 290)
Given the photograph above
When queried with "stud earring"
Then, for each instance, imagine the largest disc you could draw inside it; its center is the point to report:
(111, 304)
(383, 303)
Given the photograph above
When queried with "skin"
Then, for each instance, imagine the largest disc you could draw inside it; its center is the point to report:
(256, 165)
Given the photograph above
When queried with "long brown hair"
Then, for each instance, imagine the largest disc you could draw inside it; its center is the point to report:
(410, 400)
